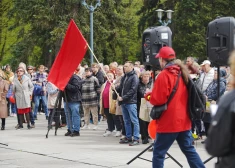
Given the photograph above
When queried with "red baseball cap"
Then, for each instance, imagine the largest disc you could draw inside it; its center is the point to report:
(166, 52)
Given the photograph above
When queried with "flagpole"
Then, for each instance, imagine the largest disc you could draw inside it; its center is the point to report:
(102, 69)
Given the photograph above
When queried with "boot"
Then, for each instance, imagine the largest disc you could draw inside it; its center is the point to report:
(3, 127)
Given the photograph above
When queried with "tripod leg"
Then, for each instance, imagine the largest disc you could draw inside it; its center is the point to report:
(140, 154)
(207, 160)
(173, 159)
(53, 113)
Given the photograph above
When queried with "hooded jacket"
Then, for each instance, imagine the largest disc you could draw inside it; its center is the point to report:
(175, 118)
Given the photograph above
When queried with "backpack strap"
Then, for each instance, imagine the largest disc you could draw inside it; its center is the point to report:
(174, 89)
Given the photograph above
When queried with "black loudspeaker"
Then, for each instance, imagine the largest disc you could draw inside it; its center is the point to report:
(220, 40)
(154, 38)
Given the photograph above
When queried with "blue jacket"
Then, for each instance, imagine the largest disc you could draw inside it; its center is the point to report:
(128, 88)
(212, 90)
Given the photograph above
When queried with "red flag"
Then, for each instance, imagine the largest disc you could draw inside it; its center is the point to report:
(70, 55)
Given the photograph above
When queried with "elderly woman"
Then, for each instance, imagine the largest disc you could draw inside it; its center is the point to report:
(143, 87)
(23, 89)
(3, 102)
(106, 102)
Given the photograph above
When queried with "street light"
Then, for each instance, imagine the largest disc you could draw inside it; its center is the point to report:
(91, 10)
(169, 16)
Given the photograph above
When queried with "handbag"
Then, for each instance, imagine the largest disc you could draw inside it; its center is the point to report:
(112, 108)
(157, 111)
(144, 110)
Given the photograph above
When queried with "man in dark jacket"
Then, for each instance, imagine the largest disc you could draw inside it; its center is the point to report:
(127, 91)
(73, 94)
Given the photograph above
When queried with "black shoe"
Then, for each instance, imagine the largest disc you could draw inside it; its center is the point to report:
(28, 126)
(145, 141)
(35, 118)
(18, 127)
(125, 141)
(3, 128)
(203, 142)
(68, 133)
(46, 117)
(75, 133)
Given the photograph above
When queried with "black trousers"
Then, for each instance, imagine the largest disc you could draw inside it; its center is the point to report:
(110, 120)
(144, 129)
(120, 117)
(207, 126)
(3, 122)
(196, 124)
(57, 116)
(117, 122)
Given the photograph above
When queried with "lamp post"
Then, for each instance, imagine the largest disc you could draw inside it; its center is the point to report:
(169, 16)
(91, 10)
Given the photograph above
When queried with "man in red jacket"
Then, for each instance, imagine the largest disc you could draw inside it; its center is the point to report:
(174, 123)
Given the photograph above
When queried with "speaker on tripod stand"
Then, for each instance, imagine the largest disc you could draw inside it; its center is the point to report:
(153, 39)
(220, 40)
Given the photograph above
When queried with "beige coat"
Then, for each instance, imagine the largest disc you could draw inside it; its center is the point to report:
(23, 92)
(3, 102)
(52, 95)
(101, 97)
(118, 107)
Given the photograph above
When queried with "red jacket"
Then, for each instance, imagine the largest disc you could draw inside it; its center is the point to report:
(175, 118)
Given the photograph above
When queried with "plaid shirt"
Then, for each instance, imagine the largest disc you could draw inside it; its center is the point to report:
(40, 78)
(90, 87)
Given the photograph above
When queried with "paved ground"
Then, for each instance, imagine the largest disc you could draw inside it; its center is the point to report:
(30, 149)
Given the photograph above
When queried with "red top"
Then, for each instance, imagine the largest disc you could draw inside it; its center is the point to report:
(175, 118)
(105, 95)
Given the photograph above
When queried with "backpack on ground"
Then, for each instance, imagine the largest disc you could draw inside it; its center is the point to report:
(196, 101)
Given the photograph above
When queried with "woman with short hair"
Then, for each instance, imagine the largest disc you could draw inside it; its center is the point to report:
(23, 90)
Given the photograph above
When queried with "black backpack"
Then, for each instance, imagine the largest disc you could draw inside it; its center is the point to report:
(196, 101)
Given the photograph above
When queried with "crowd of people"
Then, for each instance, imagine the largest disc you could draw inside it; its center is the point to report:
(112, 92)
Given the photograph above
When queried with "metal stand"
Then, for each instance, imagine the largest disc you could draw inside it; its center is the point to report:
(138, 156)
(3, 144)
(56, 113)
(218, 96)
(207, 160)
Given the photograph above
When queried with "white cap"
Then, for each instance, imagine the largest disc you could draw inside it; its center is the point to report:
(206, 62)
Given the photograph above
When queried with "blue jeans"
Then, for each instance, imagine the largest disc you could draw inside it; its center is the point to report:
(73, 109)
(129, 112)
(184, 139)
(44, 104)
(31, 117)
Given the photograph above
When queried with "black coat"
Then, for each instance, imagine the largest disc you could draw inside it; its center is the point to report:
(100, 76)
(128, 88)
(73, 89)
(221, 135)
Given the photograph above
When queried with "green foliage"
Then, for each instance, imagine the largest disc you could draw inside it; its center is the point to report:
(39, 27)
(32, 31)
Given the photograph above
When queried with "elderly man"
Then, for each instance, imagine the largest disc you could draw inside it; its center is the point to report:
(207, 76)
(127, 91)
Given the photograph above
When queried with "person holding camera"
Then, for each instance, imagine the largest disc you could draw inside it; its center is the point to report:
(40, 80)
(174, 123)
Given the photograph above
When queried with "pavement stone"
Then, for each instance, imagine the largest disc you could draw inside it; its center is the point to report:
(31, 149)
